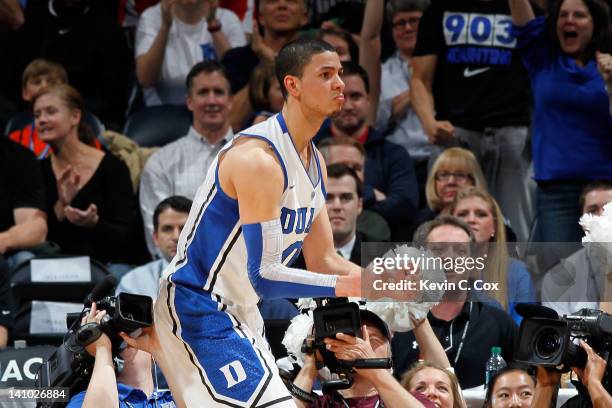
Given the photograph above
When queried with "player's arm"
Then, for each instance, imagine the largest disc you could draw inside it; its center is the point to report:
(318, 249)
(251, 173)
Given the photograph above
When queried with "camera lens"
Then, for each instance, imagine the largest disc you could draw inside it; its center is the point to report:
(547, 344)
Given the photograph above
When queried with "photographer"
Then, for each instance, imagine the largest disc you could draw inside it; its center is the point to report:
(134, 386)
(591, 377)
(371, 387)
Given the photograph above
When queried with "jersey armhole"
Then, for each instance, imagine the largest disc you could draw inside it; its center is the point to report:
(276, 152)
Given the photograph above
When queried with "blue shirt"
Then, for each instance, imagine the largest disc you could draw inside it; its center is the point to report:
(572, 125)
(132, 398)
(520, 289)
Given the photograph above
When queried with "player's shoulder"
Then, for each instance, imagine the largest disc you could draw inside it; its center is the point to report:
(268, 129)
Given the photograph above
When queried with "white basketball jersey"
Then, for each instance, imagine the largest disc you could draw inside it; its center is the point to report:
(212, 254)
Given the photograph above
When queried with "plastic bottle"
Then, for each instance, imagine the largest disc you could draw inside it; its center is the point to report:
(495, 363)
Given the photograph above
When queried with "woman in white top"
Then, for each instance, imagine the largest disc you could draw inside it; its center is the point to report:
(173, 36)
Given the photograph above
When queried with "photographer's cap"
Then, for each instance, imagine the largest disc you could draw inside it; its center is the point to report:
(370, 318)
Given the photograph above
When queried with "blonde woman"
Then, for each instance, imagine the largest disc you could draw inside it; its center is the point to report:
(482, 213)
(439, 385)
(454, 169)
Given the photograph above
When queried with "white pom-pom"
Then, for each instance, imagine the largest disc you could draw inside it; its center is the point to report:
(598, 228)
(299, 328)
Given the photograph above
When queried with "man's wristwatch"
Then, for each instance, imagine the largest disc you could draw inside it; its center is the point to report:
(214, 26)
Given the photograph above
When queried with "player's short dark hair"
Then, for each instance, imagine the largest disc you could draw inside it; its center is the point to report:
(208, 67)
(177, 203)
(593, 186)
(350, 68)
(294, 56)
(339, 170)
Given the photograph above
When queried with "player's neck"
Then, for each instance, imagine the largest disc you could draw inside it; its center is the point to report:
(302, 125)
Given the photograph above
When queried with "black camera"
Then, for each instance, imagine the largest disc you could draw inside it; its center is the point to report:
(70, 365)
(341, 316)
(551, 342)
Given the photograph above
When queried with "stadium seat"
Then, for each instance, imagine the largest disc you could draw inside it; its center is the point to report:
(158, 125)
(28, 294)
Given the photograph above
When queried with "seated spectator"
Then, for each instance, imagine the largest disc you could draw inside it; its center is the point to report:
(280, 22)
(265, 92)
(438, 384)
(169, 219)
(6, 302)
(453, 169)
(23, 222)
(571, 143)
(90, 202)
(91, 47)
(465, 322)
(172, 37)
(393, 192)
(134, 385)
(371, 387)
(510, 387)
(482, 213)
(576, 282)
(39, 74)
(349, 152)
(342, 41)
(180, 167)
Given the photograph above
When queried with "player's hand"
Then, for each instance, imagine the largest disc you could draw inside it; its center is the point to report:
(595, 367)
(88, 218)
(604, 65)
(67, 185)
(439, 132)
(167, 12)
(349, 285)
(263, 52)
(103, 342)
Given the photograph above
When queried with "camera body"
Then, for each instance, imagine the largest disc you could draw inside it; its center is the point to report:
(340, 316)
(70, 365)
(552, 342)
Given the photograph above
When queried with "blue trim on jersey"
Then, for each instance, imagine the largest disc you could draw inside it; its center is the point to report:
(316, 155)
(273, 289)
(280, 159)
(283, 126)
(207, 331)
(215, 226)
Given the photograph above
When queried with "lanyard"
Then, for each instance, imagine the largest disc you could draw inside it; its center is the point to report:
(465, 329)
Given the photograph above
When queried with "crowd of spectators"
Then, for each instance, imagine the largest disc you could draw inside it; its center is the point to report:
(483, 123)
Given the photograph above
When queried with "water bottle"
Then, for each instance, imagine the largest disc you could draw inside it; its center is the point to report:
(495, 363)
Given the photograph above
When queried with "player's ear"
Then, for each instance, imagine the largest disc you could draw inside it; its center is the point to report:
(292, 85)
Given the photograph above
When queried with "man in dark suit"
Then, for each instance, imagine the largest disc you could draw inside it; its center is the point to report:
(344, 204)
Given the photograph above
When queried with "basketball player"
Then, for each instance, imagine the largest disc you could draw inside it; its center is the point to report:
(262, 202)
